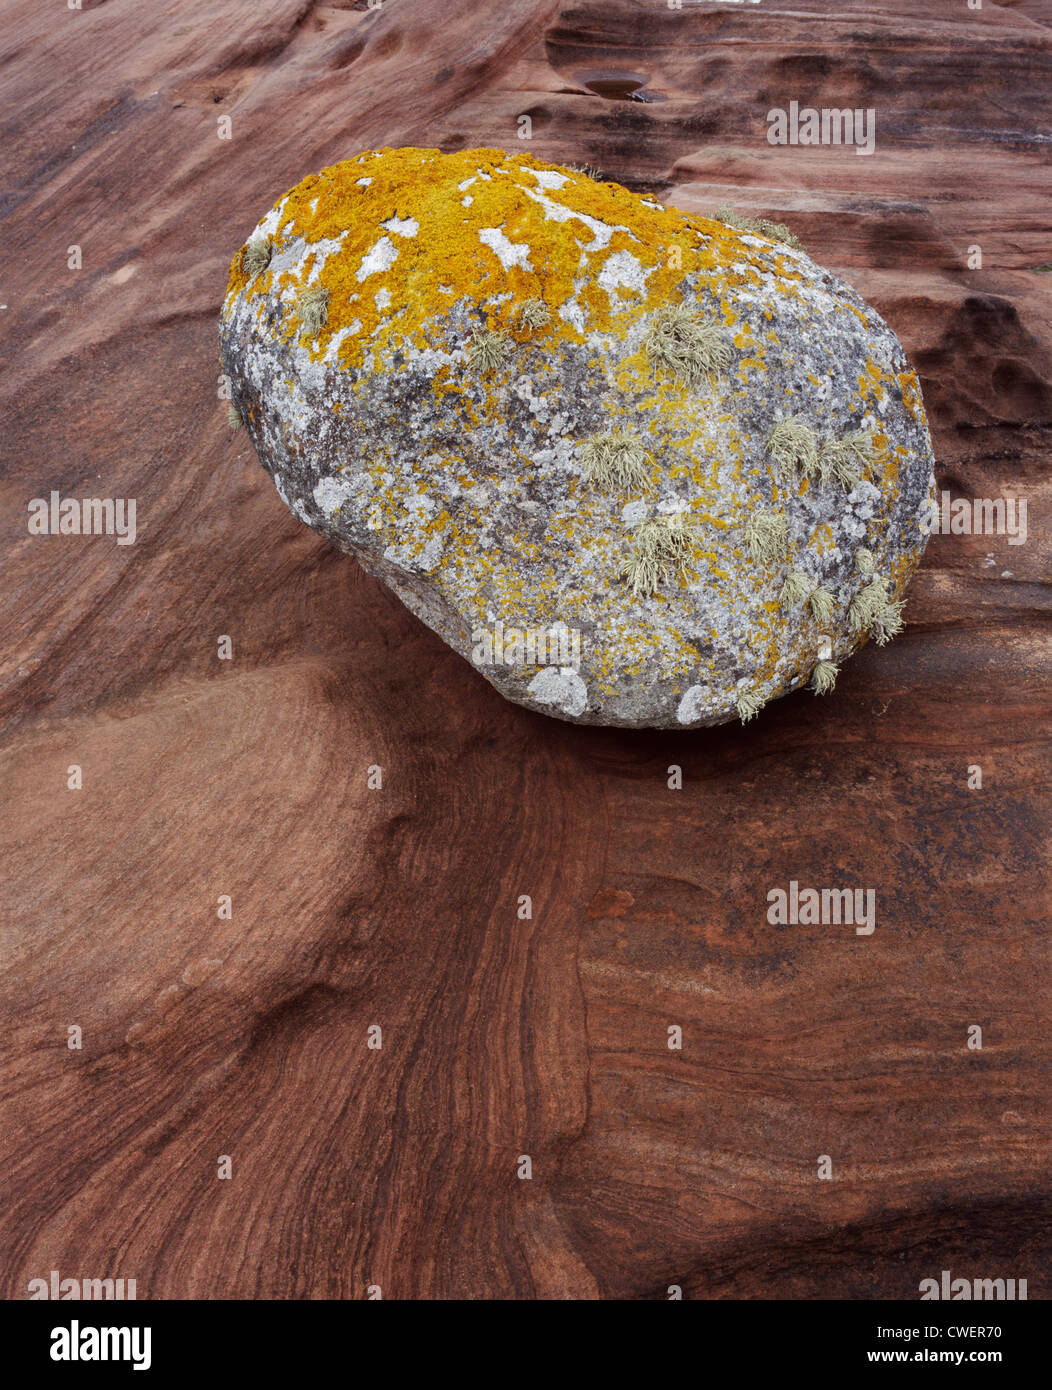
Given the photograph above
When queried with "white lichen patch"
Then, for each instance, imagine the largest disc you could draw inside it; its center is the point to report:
(402, 226)
(550, 178)
(573, 314)
(269, 225)
(695, 704)
(508, 252)
(332, 493)
(563, 688)
(381, 257)
(622, 270)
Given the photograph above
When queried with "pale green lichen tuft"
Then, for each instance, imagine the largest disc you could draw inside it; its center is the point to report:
(870, 600)
(730, 218)
(661, 551)
(534, 314)
(822, 605)
(233, 417)
(762, 226)
(864, 561)
(684, 344)
(256, 255)
(749, 705)
(313, 310)
(487, 349)
(792, 445)
(794, 590)
(848, 459)
(589, 171)
(765, 535)
(872, 609)
(887, 624)
(616, 461)
(823, 677)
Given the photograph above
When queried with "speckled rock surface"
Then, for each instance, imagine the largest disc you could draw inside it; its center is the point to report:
(483, 317)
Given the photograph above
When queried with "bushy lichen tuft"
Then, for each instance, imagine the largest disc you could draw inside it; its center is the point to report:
(823, 677)
(887, 624)
(616, 461)
(864, 561)
(794, 590)
(486, 349)
(681, 342)
(848, 459)
(256, 256)
(661, 551)
(534, 314)
(313, 310)
(871, 609)
(765, 535)
(822, 605)
(233, 417)
(866, 604)
(748, 705)
(792, 445)
(762, 226)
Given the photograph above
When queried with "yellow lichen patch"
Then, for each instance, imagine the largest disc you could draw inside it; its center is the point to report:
(822, 539)
(404, 234)
(911, 396)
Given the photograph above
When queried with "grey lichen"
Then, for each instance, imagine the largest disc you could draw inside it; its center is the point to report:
(313, 310)
(661, 551)
(848, 459)
(681, 342)
(823, 677)
(864, 561)
(794, 590)
(762, 226)
(616, 461)
(487, 349)
(765, 535)
(822, 605)
(256, 255)
(792, 445)
(534, 314)
(748, 705)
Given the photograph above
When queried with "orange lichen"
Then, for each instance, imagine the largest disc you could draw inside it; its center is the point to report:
(350, 202)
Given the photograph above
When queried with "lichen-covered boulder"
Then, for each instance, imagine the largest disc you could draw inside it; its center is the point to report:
(639, 468)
